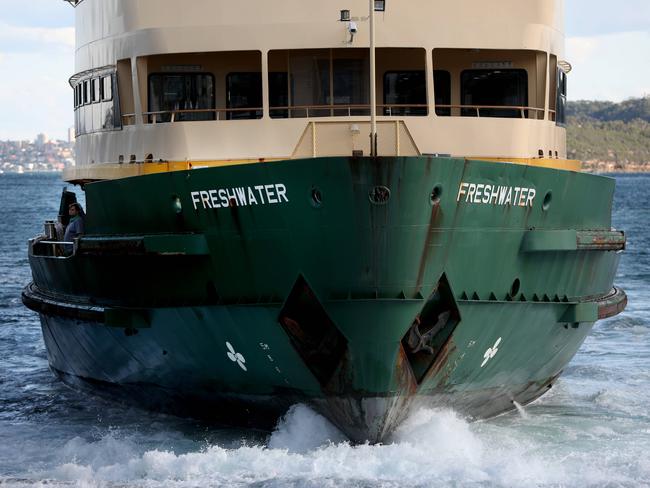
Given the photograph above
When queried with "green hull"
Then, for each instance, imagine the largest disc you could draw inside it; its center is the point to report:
(362, 286)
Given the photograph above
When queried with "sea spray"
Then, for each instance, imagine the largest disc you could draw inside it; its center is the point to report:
(302, 430)
(520, 409)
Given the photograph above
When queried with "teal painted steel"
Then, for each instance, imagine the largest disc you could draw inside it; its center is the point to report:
(210, 281)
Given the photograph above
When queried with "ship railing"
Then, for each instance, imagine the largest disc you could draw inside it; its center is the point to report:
(339, 110)
(128, 119)
(292, 111)
(46, 247)
(509, 111)
(346, 110)
(201, 114)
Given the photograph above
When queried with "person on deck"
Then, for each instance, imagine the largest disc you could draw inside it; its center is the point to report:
(76, 226)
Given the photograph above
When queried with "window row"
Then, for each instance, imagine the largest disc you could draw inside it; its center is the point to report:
(191, 96)
(93, 90)
(329, 83)
(96, 107)
(335, 82)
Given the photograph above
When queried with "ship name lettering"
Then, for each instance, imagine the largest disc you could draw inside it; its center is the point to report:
(487, 194)
(273, 194)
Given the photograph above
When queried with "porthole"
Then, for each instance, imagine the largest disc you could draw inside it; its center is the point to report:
(547, 200)
(435, 195)
(316, 197)
(379, 195)
(514, 289)
(177, 206)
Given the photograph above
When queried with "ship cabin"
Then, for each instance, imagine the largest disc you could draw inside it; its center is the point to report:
(162, 92)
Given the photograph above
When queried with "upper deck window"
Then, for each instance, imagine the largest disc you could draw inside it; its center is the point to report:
(107, 88)
(336, 82)
(487, 89)
(560, 116)
(94, 90)
(244, 91)
(96, 109)
(351, 85)
(183, 96)
(405, 93)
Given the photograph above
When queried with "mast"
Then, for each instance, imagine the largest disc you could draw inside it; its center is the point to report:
(373, 85)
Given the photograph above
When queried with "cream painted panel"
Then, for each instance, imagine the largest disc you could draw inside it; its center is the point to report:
(114, 29)
(222, 140)
(486, 137)
(195, 141)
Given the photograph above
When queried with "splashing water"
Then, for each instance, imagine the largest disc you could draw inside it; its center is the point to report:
(520, 409)
(431, 447)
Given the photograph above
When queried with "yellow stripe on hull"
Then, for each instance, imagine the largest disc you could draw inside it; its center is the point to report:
(565, 164)
(112, 171)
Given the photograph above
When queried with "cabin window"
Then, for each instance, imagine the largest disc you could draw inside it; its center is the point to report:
(560, 116)
(94, 90)
(183, 96)
(244, 91)
(405, 93)
(310, 83)
(279, 95)
(107, 88)
(442, 91)
(485, 90)
(336, 82)
(351, 86)
(93, 112)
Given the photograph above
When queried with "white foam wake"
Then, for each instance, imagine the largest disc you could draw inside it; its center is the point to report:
(430, 448)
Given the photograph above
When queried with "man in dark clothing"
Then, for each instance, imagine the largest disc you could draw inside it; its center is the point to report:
(76, 226)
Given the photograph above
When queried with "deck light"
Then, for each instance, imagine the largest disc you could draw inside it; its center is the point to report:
(345, 16)
(380, 5)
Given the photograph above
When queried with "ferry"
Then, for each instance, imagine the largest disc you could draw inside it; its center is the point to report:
(363, 206)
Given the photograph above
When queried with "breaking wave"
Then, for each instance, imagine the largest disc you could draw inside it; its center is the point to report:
(431, 448)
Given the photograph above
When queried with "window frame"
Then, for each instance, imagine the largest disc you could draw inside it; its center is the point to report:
(102, 87)
(516, 113)
(561, 102)
(95, 93)
(259, 111)
(214, 114)
(402, 114)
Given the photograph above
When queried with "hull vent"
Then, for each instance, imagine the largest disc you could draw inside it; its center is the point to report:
(428, 336)
(313, 334)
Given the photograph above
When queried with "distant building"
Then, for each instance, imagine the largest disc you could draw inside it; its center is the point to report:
(71, 135)
(41, 140)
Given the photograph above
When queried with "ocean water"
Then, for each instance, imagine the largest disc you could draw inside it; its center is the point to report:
(591, 429)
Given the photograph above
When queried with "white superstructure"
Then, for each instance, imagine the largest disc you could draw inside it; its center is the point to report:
(164, 84)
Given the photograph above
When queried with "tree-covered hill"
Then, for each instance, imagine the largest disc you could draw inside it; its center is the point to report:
(627, 111)
(610, 136)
